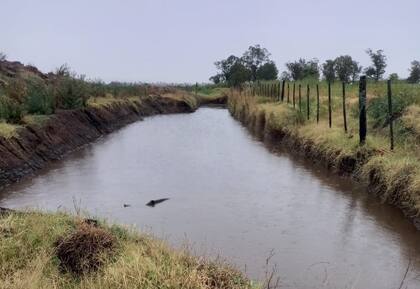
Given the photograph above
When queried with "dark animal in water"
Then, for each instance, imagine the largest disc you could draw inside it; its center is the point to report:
(152, 203)
(126, 205)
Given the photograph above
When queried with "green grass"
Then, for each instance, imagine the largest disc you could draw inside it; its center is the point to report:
(208, 94)
(28, 259)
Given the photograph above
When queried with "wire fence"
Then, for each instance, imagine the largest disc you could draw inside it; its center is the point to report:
(309, 105)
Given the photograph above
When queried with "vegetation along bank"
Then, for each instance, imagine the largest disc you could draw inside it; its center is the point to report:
(45, 116)
(392, 175)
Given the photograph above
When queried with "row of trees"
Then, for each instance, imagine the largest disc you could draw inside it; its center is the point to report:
(255, 64)
(343, 68)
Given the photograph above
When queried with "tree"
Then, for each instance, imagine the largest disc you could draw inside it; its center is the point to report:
(239, 74)
(393, 77)
(254, 63)
(414, 72)
(357, 69)
(216, 78)
(254, 57)
(377, 69)
(267, 71)
(225, 66)
(328, 70)
(346, 68)
(3, 56)
(285, 76)
(302, 68)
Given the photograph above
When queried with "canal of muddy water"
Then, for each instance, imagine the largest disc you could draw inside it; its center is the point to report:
(230, 195)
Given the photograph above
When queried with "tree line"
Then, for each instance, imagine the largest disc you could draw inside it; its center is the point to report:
(255, 64)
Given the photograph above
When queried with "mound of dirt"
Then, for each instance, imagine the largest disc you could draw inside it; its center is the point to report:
(13, 68)
(85, 250)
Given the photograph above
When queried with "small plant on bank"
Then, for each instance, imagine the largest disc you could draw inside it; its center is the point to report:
(378, 109)
(71, 93)
(85, 250)
(10, 109)
(39, 96)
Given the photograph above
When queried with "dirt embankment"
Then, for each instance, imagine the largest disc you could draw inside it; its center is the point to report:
(36, 145)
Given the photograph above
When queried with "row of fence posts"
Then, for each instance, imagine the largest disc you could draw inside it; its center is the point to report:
(277, 92)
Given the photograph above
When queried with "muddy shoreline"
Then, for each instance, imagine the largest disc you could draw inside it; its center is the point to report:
(37, 145)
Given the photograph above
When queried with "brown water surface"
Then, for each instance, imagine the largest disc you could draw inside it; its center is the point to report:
(230, 195)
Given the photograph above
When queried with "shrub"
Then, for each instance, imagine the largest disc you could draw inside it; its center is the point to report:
(378, 109)
(16, 89)
(39, 97)
(97, 89)
(71, 93)
(83, 250)
(10, 109)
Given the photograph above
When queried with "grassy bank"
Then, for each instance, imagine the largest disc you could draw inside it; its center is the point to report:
(211, 95)
(394, 176)
(28, 95)
(40, 250)
(11, 129)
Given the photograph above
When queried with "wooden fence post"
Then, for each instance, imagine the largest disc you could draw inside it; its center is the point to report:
(317, 103)
(282, 90)
(307, 102)
(270, 90)
(300, 98)
(288, 93)
(329, 105)
(344, 107)
(294, 90)
(390, 115)
(362, 110)
(273, 91)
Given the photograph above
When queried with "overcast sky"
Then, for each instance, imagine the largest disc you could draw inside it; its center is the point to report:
(179, 40)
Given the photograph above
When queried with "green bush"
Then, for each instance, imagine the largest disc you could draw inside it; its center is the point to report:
(16, 89)
(97, 89)
(10, 109)
(71, 93)
(39, 97)
(378, 109)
